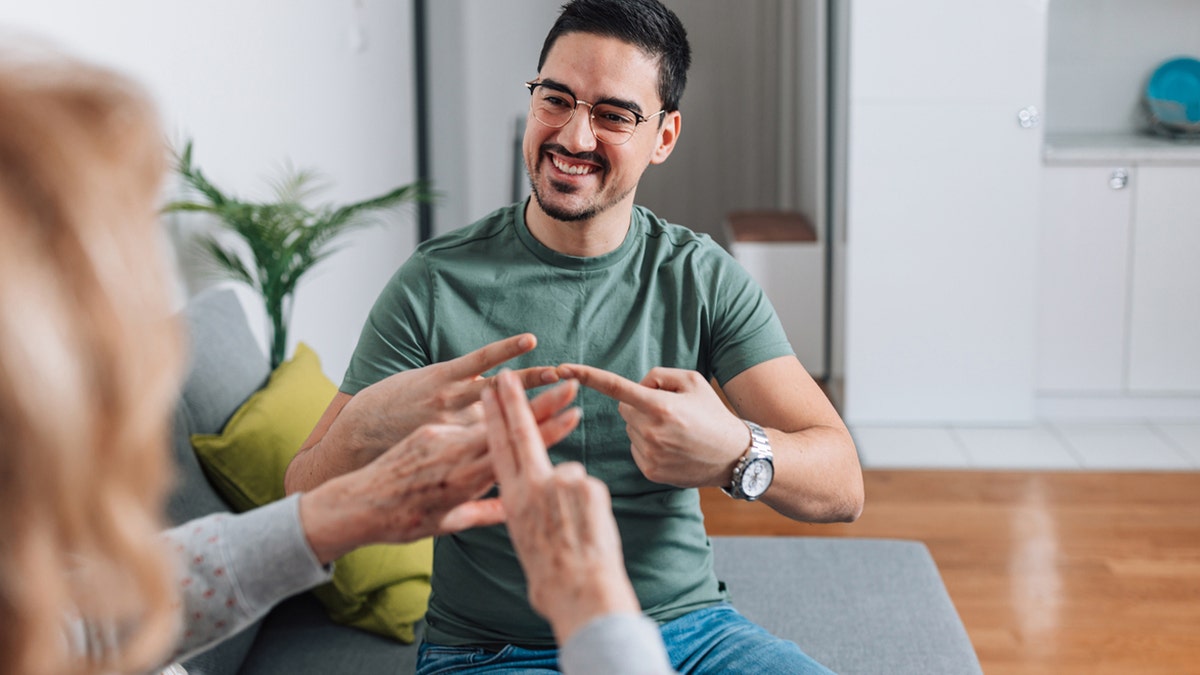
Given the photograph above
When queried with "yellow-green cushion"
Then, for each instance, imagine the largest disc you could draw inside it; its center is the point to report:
(383, 588)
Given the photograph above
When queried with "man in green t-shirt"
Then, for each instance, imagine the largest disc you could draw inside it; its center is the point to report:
(642, 312)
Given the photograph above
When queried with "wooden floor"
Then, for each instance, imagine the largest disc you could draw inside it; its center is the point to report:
(1071, 572)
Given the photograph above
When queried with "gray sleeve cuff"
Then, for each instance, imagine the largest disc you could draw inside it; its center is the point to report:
(616, 643)
(270, 552)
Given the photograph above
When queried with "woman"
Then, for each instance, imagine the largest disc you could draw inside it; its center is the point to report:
(89, 367)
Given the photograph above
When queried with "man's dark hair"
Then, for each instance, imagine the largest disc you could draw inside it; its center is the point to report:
(646, 24)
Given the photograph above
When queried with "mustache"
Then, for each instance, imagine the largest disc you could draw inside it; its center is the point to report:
(582, 156)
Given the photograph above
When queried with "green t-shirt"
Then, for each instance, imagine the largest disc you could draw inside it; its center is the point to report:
(666, 297)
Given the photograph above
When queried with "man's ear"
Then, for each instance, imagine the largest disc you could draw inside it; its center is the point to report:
(668, 134)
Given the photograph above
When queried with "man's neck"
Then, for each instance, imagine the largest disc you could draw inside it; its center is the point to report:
(596, 236)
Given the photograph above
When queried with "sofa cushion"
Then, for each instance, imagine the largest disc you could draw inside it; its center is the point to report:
(854, 605)
(297, 638)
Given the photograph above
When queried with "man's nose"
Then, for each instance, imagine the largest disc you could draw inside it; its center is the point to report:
(577, 135)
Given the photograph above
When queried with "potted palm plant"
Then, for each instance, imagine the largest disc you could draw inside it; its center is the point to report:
(286, 237)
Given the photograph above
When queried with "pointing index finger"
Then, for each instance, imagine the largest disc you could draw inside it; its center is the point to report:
(490, 355)
(608, 383)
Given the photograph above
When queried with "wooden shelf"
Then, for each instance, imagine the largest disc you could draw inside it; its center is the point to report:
(769, 226)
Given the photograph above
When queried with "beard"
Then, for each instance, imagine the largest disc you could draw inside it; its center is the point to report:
(559, 212)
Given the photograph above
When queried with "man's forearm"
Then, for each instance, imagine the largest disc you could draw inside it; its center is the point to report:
(314, 466)
(328, 451)
(817, 476)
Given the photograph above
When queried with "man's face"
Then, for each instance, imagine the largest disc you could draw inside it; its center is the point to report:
(574, 177)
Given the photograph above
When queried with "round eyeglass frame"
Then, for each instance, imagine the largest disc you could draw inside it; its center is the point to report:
(638, 119)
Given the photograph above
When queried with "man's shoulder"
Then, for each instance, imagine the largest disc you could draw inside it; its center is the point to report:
(479, 233)
(672, 234)
(673, 240)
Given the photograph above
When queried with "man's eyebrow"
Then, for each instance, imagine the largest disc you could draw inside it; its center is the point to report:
(624, 103)
(557, 86)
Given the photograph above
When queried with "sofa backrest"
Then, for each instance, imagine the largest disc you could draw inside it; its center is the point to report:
(225, 366)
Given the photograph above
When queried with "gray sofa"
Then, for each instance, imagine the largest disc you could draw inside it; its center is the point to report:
(856, 605)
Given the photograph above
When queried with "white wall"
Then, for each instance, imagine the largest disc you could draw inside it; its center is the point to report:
(480, 54)
(326, 85)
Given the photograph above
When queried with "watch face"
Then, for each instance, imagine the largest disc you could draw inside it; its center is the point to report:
(757, 477)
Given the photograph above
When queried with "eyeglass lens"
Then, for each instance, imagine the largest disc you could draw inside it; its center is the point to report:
(611, 123)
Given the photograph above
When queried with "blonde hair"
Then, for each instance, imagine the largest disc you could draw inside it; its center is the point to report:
(89, 368)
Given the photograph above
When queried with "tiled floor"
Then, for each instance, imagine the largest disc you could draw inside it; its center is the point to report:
(1153, 446)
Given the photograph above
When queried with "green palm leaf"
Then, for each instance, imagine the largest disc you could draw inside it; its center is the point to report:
(286, 238)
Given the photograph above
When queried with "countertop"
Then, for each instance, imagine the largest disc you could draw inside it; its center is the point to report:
(1118, 148)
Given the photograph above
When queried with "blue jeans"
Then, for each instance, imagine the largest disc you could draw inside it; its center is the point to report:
(713, 640)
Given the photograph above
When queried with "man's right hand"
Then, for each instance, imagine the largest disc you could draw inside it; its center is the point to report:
(353, 431)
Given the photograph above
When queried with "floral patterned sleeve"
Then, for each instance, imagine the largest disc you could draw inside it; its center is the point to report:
(234, 568)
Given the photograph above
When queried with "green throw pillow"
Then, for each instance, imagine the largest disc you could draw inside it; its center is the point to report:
(384, 588)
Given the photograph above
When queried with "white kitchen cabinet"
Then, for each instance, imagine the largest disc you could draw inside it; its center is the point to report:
(941, 210)
(1118, 283)
(1083, 278)
(1164, 339)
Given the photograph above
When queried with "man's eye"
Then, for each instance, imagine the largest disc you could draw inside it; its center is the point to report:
(556, 102)
(615, 117)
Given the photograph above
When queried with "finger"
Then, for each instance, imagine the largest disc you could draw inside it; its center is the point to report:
(498, 442)
(478, 513)
(489, 356)
(537, 376)
(475, 476)
(553, 400)
(528, 448)
(560, 426)
(669, 379)
(607, 383)
(531, 378)
(599, 516)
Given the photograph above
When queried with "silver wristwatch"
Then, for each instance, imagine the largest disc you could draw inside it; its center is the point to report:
(753, 473)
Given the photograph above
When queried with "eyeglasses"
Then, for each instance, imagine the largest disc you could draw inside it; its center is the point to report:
(612, 124)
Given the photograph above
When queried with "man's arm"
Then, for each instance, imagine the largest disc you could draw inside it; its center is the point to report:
(817, 474)
(354, 430)
(682, 434)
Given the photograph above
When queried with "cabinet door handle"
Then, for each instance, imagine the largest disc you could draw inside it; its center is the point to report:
(1029, 117)
(1119, 179)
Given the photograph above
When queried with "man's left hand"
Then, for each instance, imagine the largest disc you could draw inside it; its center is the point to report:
(681, 432)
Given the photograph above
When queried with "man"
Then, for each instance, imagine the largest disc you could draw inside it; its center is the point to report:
(641, 311)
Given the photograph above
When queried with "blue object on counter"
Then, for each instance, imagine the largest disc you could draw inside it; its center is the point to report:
(1173, 94)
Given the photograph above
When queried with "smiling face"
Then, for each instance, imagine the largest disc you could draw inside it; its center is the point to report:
(574, 177)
